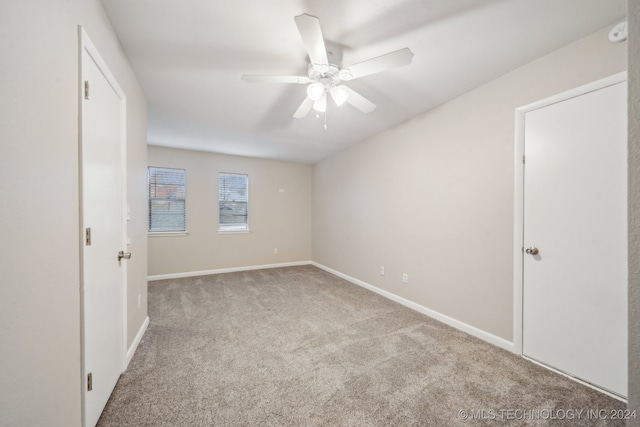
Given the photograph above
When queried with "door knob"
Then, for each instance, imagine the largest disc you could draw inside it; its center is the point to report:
(532, 250)
(123, 254)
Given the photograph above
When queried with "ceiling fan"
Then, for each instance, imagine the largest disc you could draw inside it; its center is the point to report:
(325, 77)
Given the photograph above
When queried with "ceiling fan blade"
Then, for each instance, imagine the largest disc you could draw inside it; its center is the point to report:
(261, 78)
(303, 109)
(311, 33)
(357, 100)
(378, 64)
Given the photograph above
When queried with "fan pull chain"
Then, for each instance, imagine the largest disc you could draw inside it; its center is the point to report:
(325, 119)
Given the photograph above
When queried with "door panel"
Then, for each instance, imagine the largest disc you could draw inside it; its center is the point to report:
(575, 203)
(102, 198)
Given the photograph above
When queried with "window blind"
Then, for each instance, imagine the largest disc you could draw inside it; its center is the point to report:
(233, 199)
(166, 199)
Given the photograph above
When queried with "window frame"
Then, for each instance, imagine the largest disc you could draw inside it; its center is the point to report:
(166, 232)
(233, 229)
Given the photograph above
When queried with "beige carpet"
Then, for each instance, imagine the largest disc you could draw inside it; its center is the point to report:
(300, 347)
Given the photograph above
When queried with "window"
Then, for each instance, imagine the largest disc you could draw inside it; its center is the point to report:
(233, 199)
(166, 200)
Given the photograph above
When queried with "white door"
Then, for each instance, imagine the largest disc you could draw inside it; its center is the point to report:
(102, 213)
(575, 204)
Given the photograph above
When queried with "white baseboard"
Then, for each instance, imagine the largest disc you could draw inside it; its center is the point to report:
(224, 270)
(471, 330)
(136, 341)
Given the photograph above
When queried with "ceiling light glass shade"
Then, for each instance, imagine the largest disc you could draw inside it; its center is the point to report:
(321, 104)
(315, 91)
(339, 95)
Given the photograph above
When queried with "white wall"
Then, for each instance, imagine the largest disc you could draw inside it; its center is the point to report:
(634, 208)
(277, 219)
(39, 255)
(433, 197)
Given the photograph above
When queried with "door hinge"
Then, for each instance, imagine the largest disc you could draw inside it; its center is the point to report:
(86, 89)
(89, 381)
(87, 236)
(523, 160)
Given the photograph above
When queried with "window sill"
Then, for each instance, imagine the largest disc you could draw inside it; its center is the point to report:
(242, 231)
(167, 233)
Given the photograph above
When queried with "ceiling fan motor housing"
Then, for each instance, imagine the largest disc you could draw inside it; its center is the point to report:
(319, 72)
(323, 78)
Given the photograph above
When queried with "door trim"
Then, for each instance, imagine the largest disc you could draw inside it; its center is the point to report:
(518, 228)
(86, 45)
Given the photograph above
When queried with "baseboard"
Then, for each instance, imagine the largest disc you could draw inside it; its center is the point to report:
(224, 270)
(136, 341)
(471, 330)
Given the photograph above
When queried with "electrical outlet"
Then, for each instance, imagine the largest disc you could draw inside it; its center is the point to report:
(382, 271)
(405, 278)
(139, 300)
(275, 251)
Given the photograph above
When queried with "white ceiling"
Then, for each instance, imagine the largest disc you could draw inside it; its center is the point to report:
(189, 56)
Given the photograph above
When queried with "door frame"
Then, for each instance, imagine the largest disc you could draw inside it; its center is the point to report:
(518, 229)
(86, 46)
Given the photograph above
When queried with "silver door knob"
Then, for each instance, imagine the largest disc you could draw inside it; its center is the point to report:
(123, 254)
(532, 250)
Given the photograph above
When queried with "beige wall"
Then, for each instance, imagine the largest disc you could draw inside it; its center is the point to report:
(39, 255)
(433, 197)
(634, 208)
(277, 219)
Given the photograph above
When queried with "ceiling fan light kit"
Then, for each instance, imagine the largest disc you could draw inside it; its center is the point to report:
(315, 91)
(321, 104)
(325, 77)
(339, 95)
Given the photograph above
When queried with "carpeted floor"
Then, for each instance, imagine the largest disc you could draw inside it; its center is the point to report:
(300, 347)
